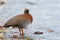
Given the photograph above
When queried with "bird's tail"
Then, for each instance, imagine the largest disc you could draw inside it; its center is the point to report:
(6, 26)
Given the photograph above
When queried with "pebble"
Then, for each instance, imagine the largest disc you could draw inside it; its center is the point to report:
(38, 32)
(50, 30)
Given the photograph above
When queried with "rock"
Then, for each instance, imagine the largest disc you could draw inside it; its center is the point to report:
(2, 30)
(38, 32)
(2, 2)
(50, 30)
(2, 36)
(15, 36)
(31, 3)
(29, 39)
(1, 27)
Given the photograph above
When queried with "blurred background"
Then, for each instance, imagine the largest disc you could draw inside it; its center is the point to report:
(46, 15)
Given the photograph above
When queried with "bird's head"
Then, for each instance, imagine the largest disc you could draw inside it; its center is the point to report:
(26, 10)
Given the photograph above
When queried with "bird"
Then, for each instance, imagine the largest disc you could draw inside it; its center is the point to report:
(20, 21)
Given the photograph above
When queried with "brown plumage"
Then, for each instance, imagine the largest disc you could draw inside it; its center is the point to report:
(20, 21)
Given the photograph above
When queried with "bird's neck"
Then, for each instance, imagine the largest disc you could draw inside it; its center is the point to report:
(26, 12)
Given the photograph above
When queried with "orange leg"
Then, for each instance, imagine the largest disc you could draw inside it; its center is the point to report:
(21, 33)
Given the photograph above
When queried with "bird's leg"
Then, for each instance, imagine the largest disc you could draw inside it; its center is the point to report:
(21, 32)
(22, 35)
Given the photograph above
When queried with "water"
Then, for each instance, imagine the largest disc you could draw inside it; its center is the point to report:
(46, 14)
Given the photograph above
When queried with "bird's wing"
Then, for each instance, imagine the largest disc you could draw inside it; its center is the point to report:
(17, 20)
